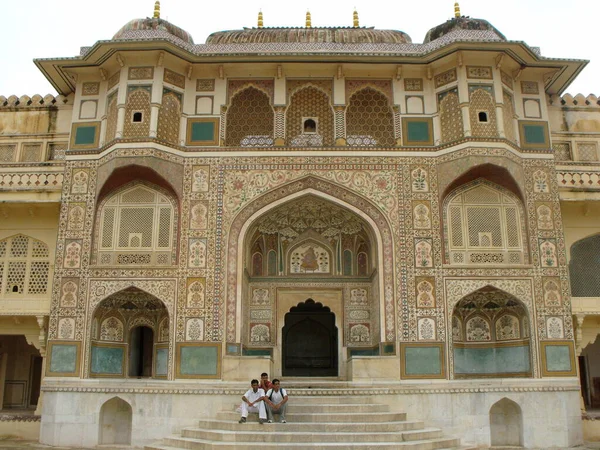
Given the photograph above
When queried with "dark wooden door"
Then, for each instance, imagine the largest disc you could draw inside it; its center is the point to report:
(310, 341)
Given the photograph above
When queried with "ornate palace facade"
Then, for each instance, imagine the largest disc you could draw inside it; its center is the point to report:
(335, 205)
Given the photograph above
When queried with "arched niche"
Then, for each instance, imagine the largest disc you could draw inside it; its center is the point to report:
(131, 340)
(491, 336)
(506, 424)
(115, 422)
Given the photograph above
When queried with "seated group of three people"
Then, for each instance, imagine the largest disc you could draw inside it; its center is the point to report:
(266, 398)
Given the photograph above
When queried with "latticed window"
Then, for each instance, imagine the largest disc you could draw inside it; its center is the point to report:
(369, 119)
(24, 266)
(250, 120)
(584, 267)
(136, 227)
(484, 225)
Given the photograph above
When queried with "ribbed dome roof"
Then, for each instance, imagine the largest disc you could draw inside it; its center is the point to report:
(461, 23)
(153, 24)
(346, 35)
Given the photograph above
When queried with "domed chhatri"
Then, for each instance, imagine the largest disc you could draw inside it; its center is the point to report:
(459, 22)
(309, 34)
(154, 23)
(343, 35)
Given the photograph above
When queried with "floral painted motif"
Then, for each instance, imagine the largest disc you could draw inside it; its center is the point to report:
(419, 180)
(423, 254)
(426, 329)
(194, 330)
(548, 254)
(197, 254)
(555, 328)
(73, 255)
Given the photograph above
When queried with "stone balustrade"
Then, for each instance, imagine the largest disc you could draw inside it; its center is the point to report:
(33, 180)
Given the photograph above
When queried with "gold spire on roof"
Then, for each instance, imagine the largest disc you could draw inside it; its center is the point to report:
(355, 18)
(260, 19)
(157, 9)
(456, 10)
(308, 23)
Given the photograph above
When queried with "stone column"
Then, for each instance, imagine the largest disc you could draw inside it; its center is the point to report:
(154, 107)
(120, 121)
(41, 320)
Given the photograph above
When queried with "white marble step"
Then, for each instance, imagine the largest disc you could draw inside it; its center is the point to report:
(201, 444)
(270, 433)
(369, 427)
(297, 407)
(325, 417)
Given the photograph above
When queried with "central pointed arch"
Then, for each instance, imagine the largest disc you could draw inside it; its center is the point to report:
(331, 192)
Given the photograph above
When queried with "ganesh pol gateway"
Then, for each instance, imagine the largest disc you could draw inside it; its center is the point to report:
(406, 234)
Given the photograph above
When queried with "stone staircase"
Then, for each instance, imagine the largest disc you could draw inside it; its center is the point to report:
(315, 423)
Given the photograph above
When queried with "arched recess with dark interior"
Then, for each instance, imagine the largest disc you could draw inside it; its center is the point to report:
(137, 220)
(484, 219)
(584, 267)
(115, 422)
(506, 424)
(310, 341)
(130, 336)
(491, 336)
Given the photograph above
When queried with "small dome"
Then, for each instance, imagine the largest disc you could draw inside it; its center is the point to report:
(153, 24)
(461, 23)
(343, 35)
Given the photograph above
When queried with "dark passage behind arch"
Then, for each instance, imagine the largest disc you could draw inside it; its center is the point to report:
(310, 341)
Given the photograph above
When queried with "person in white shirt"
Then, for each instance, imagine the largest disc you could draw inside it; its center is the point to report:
(276, 398)
(253, 401)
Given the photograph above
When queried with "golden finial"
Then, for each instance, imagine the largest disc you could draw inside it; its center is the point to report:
(157, 9)
(355, 18)
(456, 10)
(260, 19)
(308, 25)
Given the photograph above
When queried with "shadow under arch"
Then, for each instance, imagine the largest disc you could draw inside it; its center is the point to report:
(491, 336)
(506, 423)
(310, 341)
(115, 422)
(161, 294)
(310, 185)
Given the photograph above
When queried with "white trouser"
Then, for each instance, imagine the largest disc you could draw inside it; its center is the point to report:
(260, 409)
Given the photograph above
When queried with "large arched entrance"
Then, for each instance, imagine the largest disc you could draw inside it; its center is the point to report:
(310, 247)
(309, 341)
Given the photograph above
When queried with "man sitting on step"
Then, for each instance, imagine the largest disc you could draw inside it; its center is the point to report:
(252, 401)
(276, 398)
